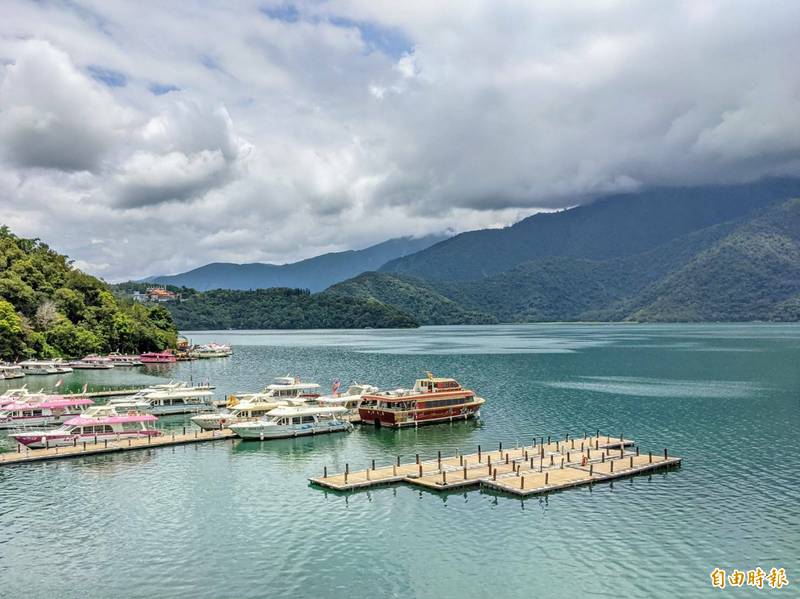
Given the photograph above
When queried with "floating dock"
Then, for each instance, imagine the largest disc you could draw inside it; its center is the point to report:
(25, 455)
(537, 468)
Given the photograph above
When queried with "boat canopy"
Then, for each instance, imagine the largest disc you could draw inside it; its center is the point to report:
(287, 411)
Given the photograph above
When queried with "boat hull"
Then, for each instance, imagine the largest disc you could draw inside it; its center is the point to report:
(393, 419)
(42, 441)
(263, 433)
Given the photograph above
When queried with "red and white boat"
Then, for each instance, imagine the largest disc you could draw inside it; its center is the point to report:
(431, 400)
(158, 357)
(99, 423)
(41, 410)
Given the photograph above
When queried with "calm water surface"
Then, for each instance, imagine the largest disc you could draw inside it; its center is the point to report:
(239, 519)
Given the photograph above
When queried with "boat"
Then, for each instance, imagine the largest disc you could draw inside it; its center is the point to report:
(61, 366)
(350, 398)
(41, 410)
(11, 371)
(13, 395)
(211, 350)
(244, 407)
(294, 421)
(98, 423)
(92, 362)
(431, 400)
(119, 359)
(160, 357)
(171, 398)
(33, 367)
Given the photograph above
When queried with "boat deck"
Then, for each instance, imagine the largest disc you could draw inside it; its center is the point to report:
(24, 455)
(528, 470)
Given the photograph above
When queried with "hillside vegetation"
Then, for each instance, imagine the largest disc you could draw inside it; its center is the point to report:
(48, 308)
(284, 309)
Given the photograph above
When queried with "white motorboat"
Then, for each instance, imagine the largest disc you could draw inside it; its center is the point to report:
(294, 421)
(10, 371)
(243, 407)
(350, 399)
(170, 398)
(33, 367)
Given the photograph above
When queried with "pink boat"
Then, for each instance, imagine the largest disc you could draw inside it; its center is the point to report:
(42, 410)
(98, 423)
(163, 357)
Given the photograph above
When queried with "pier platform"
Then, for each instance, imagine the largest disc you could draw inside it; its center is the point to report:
(529, 470)
(25, 455)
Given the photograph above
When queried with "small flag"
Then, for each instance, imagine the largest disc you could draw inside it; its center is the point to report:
(336, 384)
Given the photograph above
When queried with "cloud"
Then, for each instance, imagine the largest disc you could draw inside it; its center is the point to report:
(285, 129)
(51, 115)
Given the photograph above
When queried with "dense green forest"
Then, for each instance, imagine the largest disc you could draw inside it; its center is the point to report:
(282, 308)
(747, 268)
(48, 308)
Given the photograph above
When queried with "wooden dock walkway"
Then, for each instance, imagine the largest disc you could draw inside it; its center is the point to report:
(24, 455)
(537, 468)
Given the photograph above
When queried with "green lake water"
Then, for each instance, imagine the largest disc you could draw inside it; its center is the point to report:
(240, 519)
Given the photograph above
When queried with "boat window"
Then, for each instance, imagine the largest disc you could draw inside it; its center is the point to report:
(307, 419)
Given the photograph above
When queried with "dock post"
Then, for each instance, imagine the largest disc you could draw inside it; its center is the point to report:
(95, 439)
(47, 443)
(620, 436)
(494, 474)
(567, 457)
(398, 460)
(325, 472)
(84, 446)
(345, 476)
(373, 464)
(420, 469)
(506, 457)
(597, 443)
(573, 443)
(75, 442)
(591, 469)
(562, 463)
(598, 433)
(665, 453)
(19, 447)
(465, 472)
(612, 465)
(548, 439)
(546, 477)
(603, 457)
(584, 434)
(105, 443)
(541, 451)
(489, 460)
(551, 459)
(531, 463)
(346, 469)
(621, 452)
(149, 439)
(444, 477)
(534, 442)
(195, 434)
(461, 460)
(394, 470)
(650, 456)
(479, 453)
(521, 482)
(439, 458)
(631, 462)
(417, 458)
(367, 473)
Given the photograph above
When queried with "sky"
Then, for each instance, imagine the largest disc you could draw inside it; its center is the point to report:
(147, 138)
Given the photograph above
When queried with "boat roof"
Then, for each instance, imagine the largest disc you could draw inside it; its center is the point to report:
(304, 411)
(293, 385)
(57, 401)
(88, 420)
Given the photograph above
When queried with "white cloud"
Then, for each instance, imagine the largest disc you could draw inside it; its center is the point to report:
(286, 133)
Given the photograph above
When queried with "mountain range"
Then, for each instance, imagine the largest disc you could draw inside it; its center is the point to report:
(712, 253)
(314, 274)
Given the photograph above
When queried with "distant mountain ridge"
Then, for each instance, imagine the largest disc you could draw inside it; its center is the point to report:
(314, 274)
(713, 253)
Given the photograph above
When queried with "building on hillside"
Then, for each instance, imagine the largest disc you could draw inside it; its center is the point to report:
(156, 295)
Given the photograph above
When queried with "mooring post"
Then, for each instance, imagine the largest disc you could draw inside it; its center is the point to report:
(394, 470)
(95, 439)
(479, 453)
(637, 451)
(494, 474)
(325, 472)
(373, 464)
(398, 460)
(534, 442)
(184, 430)
(84, 446)
(612, 465)
(75, 442)
(465, 472)
(551, 459)
(439, 458)
(417, 458)
(531, 463)
(548, 439)
(367, 473)
(546, 477)
(631, 462)
(195, 434)
(591, 469)
(489, 459)
(506, 457)
(105, 443)
(603, 457)
(347, 468)
(420, 469)
(521, 482)
(665, 453)
(650, 456)
(573, 443)
(461, 460)
(562, 463)
(444, 477)
(568, 459)
(345, 476)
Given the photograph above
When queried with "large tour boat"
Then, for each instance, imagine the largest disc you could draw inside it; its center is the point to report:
(118, 359)
(294, 421)
(99, 423)
(161, 357)
(433, 399)
(244, 407)
(211, 350)
(42, 410)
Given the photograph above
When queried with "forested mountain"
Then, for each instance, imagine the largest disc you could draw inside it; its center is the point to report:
(48, 308)
(611, 227)
(706, 260)
(284, 309)
(314, 274)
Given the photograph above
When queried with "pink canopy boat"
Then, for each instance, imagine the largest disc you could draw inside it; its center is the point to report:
(98, 423)
(41, 410)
